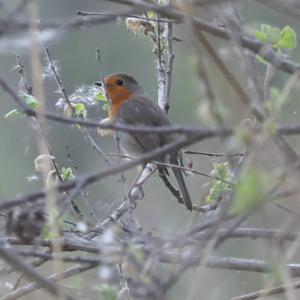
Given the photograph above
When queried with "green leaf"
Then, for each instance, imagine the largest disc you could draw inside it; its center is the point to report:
(260, 36)
(101, 96)
(250, 192)
(67, 174)
(272, 34)
(261, 60)
(288, 39)
(80, 110)
(105, 106)
(222, 172)
(285, 39)
(13, 113)
(30, 100)
(151, 14)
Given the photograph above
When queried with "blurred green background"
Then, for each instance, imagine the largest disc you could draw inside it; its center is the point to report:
(122, 51)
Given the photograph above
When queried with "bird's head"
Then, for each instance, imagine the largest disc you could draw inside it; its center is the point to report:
(121, 87)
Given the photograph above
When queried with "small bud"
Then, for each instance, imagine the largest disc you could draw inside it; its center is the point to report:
(190, 163)
(52, 179)
(82, 227)
(190, 166)
(138, 26)
(43, 163)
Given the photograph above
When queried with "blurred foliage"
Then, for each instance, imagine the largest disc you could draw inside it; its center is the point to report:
(124, 51)
(250, 191)
(285, 39)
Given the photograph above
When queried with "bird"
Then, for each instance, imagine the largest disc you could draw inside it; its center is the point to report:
(130, 105)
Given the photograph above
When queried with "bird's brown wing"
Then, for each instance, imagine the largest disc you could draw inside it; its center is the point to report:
(142, 111)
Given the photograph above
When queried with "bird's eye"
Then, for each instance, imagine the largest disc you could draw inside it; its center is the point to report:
(120, 82)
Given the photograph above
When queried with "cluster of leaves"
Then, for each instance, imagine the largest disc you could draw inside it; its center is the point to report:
(282, 40)
(100, 96)
(221, 184)
(79, 109)
(250, 191)
(29, 100)
(67, 173)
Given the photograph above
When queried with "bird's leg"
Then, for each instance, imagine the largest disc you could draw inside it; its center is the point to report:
(136, 188)
(104, 132)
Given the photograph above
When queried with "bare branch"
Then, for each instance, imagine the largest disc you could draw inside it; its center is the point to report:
(11, 258)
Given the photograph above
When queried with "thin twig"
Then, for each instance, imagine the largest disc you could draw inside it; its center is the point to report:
(268, 292)
(11, 258)
(25, 290)
(86, 13)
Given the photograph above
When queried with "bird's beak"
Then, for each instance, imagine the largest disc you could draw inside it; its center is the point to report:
(98, 83)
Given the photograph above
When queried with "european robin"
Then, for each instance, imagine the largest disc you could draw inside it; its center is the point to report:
(131, 106)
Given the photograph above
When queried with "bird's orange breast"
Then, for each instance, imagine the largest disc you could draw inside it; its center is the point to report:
(114, 109)
(118, 96)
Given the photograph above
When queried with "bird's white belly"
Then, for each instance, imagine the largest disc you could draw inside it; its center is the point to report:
(129, 145)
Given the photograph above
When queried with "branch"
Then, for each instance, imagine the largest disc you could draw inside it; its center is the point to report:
(126, 128)
(93, 177)
(9, 256)
(225, 263)
(53, 278)
(247, 41)
(268, 292)
(67, 244)
(170, 13)
(180, 129)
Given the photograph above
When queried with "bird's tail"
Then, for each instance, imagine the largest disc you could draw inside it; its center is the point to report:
(183, 189)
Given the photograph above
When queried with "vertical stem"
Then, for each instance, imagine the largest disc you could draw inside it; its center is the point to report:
(160, 63)
(169, 66)
(39, 93)
(164, 62)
